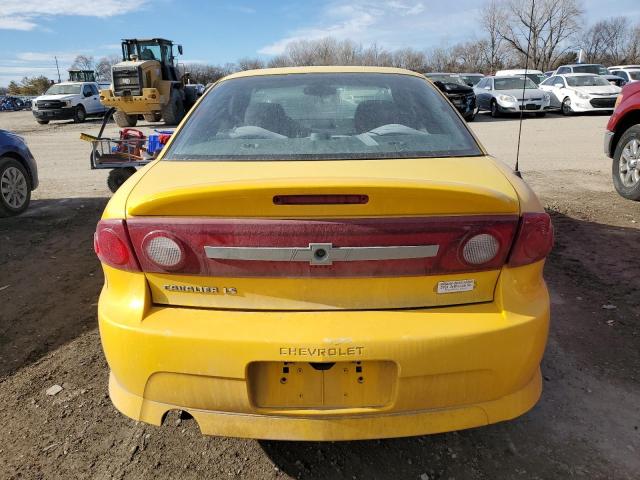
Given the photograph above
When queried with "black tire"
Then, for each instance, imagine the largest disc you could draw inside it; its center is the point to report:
(42, 122)
(541, 114)
(124, 120)
(173, 111)
(15, 187)
(625, 173)
(79, 114)
(153, 117)
(471, 116)
(495, 110)
(118, 176)
(190, 97)
(566, 107)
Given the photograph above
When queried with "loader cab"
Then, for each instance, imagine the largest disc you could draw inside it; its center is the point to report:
(82, 76)
(157, 49)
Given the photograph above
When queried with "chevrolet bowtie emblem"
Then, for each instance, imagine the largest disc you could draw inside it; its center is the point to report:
(321, 253)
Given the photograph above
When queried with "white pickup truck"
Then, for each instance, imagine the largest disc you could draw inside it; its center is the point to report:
(68, 100)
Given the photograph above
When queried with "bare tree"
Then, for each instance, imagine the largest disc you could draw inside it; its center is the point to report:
(551, 25)
(493, 48)
(250, 63)
(410, 59)
(279, 61)
(103, 67)
(472, 57)
(83, 62)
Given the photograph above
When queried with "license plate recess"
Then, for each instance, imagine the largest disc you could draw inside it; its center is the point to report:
(303, 385)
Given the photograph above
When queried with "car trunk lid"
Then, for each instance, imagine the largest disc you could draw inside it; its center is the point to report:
(354, 235)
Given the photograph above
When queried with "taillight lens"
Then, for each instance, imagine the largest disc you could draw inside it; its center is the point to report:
(480, 249)
(164, 250)
(534, 240)
(112, 246)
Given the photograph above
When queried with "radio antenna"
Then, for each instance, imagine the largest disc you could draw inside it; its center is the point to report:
(524, 86)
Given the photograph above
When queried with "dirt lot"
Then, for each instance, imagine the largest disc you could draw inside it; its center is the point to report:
(586, 425)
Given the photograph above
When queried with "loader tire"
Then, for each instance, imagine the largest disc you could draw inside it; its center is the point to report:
(124, 120)
(173, 111)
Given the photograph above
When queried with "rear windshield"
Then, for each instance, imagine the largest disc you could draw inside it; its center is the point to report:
(444, 78)
(472, 80)
(322, 116)
(595, 69)
(634, 74)
(590, 81)
(536, 77)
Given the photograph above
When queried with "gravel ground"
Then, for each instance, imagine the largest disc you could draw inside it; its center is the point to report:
(586, 424)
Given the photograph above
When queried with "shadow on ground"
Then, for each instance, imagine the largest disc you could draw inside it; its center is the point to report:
(50, 278)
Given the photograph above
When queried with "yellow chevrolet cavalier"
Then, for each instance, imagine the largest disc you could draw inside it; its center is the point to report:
(324, 254)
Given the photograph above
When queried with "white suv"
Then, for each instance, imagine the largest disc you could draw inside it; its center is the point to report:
(68, 100)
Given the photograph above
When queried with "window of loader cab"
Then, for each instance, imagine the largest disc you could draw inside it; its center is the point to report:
(322, 116)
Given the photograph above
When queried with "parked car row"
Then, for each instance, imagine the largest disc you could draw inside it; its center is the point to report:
(12, 103)
(570, 89)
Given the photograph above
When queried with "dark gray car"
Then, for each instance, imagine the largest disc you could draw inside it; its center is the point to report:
(502, 95)
(18, 174)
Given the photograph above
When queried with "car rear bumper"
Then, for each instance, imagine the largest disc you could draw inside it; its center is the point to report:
(452, 367)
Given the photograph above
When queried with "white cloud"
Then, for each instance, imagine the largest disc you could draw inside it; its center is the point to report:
(242, 9)
(26, 14)
(15, 23)
(390, 23)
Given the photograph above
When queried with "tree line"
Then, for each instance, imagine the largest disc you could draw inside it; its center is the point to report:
(509, 31)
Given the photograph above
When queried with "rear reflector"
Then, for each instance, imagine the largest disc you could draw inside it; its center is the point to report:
(112, 246)
(163, 250)
(322, 248)
(534, 240)
(320, 199)
(480, 249)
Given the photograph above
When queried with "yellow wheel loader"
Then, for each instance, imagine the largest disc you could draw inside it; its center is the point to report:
(147, 82)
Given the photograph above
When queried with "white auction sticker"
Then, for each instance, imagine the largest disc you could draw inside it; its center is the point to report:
(456, 286)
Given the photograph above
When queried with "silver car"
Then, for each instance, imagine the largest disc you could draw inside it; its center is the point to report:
(502, 95)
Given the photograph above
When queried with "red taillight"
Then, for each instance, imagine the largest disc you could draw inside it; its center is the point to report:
(534, 240)
(464, 244)
(112, 246)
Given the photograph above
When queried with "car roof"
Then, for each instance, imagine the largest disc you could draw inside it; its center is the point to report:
(578, 75)
(582, 65)
(519, 70)
(321, 69)
(624, 67)
(507, 76)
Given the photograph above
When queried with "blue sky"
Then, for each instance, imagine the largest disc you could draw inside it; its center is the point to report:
(220, 31)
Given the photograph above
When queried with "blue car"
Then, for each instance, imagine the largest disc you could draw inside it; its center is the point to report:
(18, 174)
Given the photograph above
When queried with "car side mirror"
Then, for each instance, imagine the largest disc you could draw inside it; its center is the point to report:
(558, 85)
(488, 87)
(180, 49)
